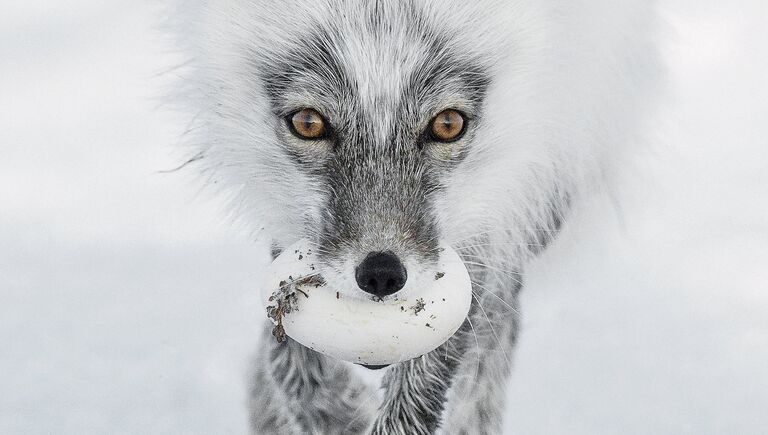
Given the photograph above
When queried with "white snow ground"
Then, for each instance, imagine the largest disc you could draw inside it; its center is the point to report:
(127, 307)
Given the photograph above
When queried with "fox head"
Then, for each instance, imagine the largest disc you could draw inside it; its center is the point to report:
(380, 128)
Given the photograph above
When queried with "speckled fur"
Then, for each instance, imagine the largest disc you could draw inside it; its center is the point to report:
(555, 92)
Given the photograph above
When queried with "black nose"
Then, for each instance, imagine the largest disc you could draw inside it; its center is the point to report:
(381, 274)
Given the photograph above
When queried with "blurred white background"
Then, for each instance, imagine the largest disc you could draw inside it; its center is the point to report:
(128, 306)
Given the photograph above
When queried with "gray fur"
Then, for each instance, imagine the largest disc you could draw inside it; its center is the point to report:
(553, 92)
(298, 391)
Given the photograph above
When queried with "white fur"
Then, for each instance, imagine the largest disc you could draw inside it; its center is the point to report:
(572, 82)
(564, 109)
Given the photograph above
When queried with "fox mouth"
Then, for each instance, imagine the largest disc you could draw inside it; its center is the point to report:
(374, 330)
(375, 367)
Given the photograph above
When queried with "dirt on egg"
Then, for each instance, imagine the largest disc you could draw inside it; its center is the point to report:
(286, 300)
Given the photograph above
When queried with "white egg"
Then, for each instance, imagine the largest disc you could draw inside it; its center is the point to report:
(359, 329)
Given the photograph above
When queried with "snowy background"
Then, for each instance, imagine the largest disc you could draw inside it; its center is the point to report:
(128, 307)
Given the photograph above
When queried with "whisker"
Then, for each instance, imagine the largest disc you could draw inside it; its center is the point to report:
(482, 245)
(513, 309)
(473, 235)
(502, 233)
(485, 261)
(493, 330)
(477, 344)
(510, 274)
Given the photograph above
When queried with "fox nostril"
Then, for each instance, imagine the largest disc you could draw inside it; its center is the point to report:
(381, 274)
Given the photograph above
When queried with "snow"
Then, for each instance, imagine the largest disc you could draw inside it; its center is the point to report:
(128, 306)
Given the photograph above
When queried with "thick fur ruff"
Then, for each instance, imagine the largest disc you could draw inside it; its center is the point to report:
(556, 93)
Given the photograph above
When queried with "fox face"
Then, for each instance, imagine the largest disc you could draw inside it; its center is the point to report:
(376, 114)
(356, 127)
(378, 129)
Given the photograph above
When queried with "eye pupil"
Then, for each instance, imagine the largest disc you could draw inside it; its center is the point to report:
(308, 124)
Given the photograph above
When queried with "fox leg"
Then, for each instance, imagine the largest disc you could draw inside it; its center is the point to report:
(298, 391)
(460, 387)
(415, 392)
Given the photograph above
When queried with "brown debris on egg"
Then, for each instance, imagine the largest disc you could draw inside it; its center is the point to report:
(286, 300)
(418, 306)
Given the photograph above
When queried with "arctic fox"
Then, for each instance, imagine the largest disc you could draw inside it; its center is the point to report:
(379, 129)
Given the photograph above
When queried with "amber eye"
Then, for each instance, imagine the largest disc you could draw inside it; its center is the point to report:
(447, 126)
(307, 124)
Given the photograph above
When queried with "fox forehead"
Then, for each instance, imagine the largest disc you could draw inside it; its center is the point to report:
(382, 61)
